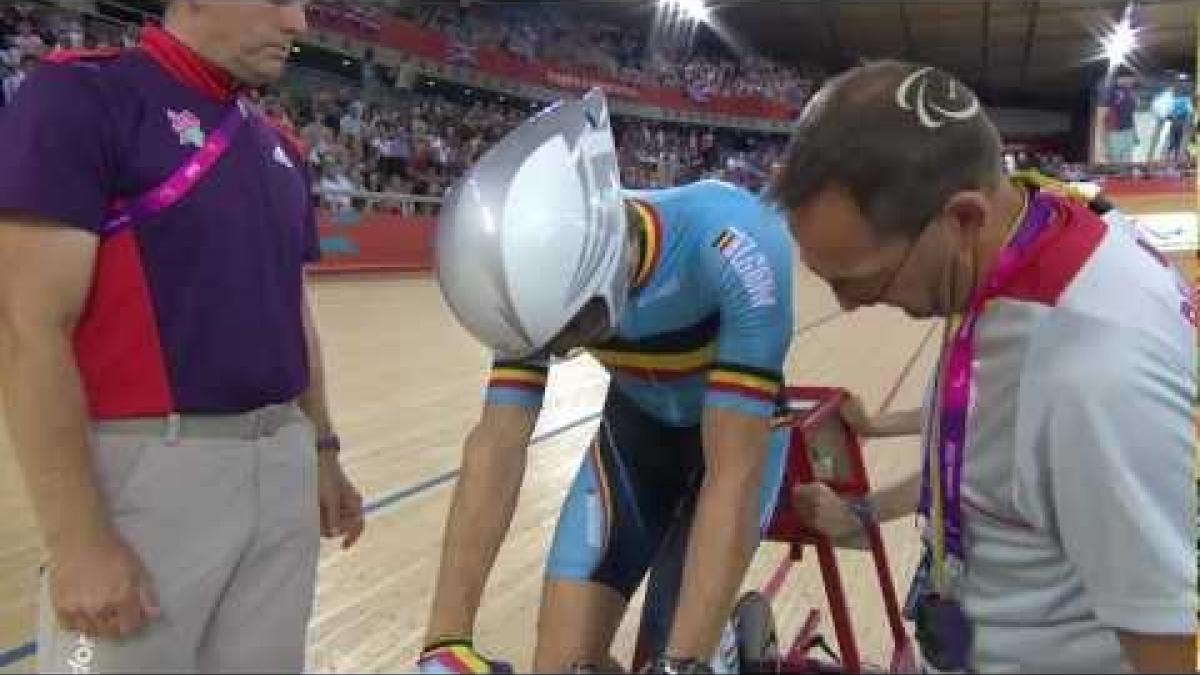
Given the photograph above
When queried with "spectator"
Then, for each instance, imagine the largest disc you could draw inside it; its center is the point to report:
(27, 41)
(1180, 118)
(13, 82)
(351, 124)
(336, 188)
(1120, 134)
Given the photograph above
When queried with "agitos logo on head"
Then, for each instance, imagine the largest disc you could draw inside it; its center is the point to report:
(936, 97)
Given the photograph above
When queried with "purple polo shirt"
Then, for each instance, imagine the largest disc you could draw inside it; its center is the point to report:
(1122, 101)
(197, 309)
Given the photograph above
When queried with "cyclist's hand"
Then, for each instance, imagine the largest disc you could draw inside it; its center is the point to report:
(457, 656)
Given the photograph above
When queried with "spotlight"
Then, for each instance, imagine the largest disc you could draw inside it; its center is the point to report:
(695, 9)
(1118, 44)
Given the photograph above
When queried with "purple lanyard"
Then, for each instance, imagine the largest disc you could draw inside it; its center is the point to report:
(180, 183)
(953, 395)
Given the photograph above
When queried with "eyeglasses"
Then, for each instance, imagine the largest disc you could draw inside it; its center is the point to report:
(874, 288)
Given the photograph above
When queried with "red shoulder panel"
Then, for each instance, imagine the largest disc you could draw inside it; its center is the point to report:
(72, 55)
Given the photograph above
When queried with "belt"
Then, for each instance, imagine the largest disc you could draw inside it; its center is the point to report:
(247, 426)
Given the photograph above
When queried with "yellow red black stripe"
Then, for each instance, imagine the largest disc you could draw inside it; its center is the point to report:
(652, 233)
(606, 497)
(460, 658)
(723, 240)
(517, 375)
(746, 381)
(659, 366)
(668, 356)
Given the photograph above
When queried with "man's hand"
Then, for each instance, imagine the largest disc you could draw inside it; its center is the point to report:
(822, 509)
(341, 503)
(855, 414)
(99, 588)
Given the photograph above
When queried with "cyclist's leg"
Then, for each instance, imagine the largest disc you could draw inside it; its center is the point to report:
(576, 625)
(615, 517)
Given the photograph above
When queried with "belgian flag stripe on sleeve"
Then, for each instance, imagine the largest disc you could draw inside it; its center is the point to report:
(652, 232)
(518, 375)
(747, 381)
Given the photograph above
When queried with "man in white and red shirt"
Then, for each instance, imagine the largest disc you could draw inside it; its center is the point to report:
(1058, 479)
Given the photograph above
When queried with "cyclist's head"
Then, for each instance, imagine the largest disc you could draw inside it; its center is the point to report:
(533, 252)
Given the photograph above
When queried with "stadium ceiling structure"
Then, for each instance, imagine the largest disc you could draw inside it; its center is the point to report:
(1045, 52)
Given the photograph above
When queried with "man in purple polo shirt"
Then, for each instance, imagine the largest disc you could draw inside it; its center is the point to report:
(1117, 116)
(158, 357)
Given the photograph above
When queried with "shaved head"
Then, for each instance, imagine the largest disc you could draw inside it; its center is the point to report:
(899, 138)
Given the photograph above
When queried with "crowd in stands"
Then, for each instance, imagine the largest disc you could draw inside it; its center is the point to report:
(29, 30)
(666, 56)
(419, 141)
(420, 144)
(417, 145)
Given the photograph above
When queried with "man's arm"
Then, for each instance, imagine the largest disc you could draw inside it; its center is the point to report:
(882, 425)
(45, 275)
(314, 401)
(1104, 116)
(1111, 465)
(724, 532)
(900, 423)
(819, 507)
(480, 514)
(341, 503)
(1159, 653)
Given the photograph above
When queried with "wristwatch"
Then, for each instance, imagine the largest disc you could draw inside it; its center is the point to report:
(670, 665)
(865, 508)
(329, 443)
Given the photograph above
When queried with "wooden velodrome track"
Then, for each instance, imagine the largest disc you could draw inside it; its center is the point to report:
(405, 385)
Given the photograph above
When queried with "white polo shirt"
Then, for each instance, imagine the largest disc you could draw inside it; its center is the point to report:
(1079, 494)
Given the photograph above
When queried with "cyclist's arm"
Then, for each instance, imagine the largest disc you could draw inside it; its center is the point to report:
(752, 279)
(724, 533)
(485, 497)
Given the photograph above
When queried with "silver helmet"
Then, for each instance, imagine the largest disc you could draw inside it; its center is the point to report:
(531, 251)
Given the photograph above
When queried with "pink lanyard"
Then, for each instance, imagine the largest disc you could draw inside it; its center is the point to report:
(953, 396)
(183, 180)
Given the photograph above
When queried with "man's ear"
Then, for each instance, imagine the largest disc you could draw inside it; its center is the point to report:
(970, 211)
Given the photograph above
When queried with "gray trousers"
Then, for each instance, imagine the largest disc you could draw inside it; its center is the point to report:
(223, 513)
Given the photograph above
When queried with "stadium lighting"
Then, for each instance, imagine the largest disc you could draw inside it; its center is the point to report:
(1120, 42)
(694, 9)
